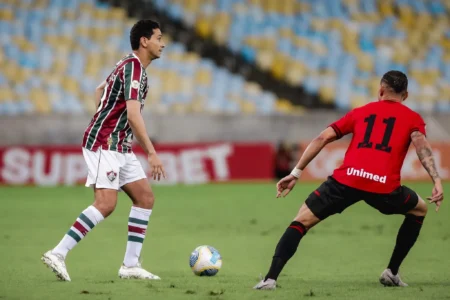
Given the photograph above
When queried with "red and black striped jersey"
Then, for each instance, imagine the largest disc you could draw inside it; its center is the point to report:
(109, 128)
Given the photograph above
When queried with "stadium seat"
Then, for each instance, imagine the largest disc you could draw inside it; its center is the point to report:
(348, 37)
(72, 45)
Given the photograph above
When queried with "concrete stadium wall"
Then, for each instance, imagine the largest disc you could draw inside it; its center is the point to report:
(68, 129)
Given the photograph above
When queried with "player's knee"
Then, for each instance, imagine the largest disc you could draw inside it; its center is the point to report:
(105, 207)
(306, 217)
(105, 201)
(145, 200)
(421, 209)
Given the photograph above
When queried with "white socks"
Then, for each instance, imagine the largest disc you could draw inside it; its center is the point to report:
(137, 226)
(84, 223)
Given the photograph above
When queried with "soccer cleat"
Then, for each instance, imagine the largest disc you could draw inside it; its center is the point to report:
(268, 284)
(389, 279)
(136, 272)
(57, 264)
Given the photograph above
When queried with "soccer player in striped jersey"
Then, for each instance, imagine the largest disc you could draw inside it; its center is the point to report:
(112, 166)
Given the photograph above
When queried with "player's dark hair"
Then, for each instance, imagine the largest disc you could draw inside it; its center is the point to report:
(396, 80)
(140, 29)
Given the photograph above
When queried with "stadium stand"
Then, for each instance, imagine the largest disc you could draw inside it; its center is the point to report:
(335, 48)
(53, 53)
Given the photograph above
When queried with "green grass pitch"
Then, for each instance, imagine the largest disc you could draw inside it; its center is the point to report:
(339, 259)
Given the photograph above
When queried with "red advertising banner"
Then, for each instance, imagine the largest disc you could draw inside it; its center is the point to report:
(184, 163)
(333, 154)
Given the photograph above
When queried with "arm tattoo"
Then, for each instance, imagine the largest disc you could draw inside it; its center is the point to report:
(425, 154)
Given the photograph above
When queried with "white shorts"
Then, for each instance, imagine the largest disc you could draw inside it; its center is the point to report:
(110, 169)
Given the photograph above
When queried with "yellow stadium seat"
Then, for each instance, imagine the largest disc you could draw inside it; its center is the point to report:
(365, 62)
(40, 100)
(248, 107)
(178, 108)
(198, 105)
(6, 94)
(220, 34)
(264, 59)
(40, 4)
(69, 14)
(327, 94)
(6, 15)
(357, 101)
(203, 27)
(283, 105)
(11, 70)
(386, 9)
(301, 7)
(70, 85)
(117, 13)
(296, 73)
(86, 8)
(279, 66)
(319, 24)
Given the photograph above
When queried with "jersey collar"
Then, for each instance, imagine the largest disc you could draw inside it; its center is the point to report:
(138, 59)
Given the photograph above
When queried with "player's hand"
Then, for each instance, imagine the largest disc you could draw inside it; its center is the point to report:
(437, 195)
(285, 185)
(157, 169)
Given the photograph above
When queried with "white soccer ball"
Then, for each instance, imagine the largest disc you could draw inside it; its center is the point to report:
(205, 261)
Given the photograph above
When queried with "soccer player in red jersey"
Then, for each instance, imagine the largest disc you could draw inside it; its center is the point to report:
(112, 166)
(382, 132)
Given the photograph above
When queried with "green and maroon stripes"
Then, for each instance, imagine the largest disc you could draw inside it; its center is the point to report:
(132, 74)
(136, 230)
(80, 228)
(109, 127)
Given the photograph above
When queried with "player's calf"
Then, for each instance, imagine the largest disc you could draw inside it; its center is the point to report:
(143, 199)
(407, 235)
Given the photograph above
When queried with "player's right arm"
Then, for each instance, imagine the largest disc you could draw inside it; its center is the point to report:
(425, 154)
(99, 93)
(335, 131)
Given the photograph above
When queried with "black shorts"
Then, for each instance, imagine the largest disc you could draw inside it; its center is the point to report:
(333, 197)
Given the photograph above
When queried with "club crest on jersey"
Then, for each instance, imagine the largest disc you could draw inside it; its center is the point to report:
(135, 84)
(111, 175)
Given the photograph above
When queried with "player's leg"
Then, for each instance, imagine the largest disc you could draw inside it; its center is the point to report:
(136, 186)
(330, 198)
(406, 202)
(100, 164)
(289, 241)
(408, 233)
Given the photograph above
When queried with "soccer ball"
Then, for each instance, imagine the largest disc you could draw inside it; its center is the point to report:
(205, 261)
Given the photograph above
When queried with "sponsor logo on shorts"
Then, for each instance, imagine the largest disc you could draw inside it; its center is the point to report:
(111, 175)
(365, 174)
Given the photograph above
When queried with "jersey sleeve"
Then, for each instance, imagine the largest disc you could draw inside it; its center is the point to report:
(132, 77)
(418, 124)
(344, 125)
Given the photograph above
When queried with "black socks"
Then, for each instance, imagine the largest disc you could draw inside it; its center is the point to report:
(286, 248)
(406, 237)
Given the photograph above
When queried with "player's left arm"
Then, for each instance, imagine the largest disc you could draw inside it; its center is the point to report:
(99, 92)
(425, 154)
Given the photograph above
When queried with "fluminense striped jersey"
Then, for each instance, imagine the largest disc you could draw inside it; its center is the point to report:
(109, 128)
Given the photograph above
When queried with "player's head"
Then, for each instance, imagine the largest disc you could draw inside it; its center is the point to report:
(146, 34)
(394, 84)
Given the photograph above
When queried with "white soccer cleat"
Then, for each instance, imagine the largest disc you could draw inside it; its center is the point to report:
(389, 279)
(268, 284)
(136, 272)
(57, 264)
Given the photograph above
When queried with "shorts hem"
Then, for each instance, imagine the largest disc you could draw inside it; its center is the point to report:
(132, 180)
